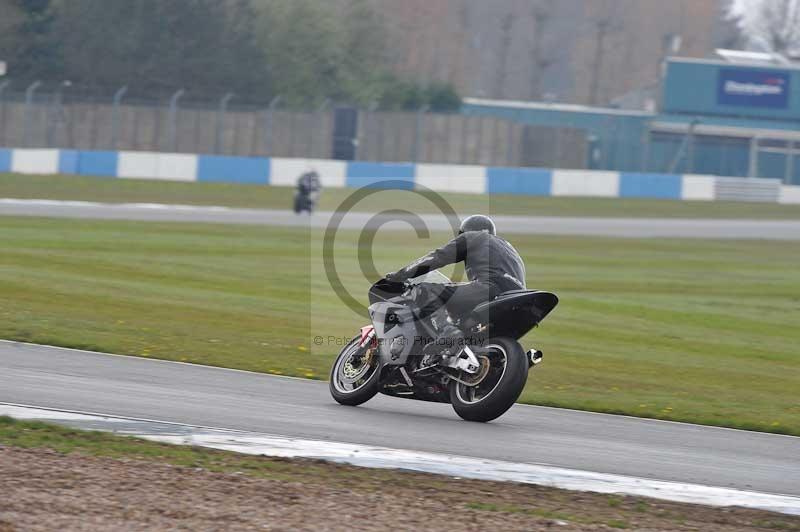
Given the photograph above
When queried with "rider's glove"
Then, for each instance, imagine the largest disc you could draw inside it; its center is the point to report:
(394, 277)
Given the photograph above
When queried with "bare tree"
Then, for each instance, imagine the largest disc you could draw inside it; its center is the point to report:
(541, 59)
(607, 21)
(502, 56)
(769, 25)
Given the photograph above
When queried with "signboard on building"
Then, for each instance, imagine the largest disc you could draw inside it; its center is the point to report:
(754, 88)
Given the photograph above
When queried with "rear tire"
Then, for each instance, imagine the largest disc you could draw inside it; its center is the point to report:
(361, 391)
(501, 387)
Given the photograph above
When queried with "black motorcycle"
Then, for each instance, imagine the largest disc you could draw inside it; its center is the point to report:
(481, 375)
(307, 193)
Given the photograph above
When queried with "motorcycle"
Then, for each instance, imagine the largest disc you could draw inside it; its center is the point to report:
(306, 202)
(400, 354)
(307, 193)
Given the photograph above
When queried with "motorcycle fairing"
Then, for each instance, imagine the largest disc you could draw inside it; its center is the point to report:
(513, 314)
(395, 326)
(367, 334)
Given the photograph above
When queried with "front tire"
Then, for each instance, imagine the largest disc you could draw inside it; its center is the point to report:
(500, 388)
(354, 375)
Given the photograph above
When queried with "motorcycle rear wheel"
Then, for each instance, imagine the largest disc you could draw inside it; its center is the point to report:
(501, 387)
(353, 381)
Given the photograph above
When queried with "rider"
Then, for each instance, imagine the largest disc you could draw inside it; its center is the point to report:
(492, 266)
(308, 188)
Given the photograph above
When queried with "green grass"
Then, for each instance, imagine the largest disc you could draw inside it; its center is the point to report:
(234, 195)
(689, 330)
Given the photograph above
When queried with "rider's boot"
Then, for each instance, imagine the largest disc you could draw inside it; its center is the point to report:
(448, 343)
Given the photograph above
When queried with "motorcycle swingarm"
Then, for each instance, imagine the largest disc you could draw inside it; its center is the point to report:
(466, 360)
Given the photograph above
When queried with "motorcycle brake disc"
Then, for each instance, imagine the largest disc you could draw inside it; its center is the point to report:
(352, 373)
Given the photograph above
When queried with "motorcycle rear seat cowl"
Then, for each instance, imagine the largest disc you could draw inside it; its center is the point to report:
(539, 303)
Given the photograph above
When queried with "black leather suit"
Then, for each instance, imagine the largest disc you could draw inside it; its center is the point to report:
(492, 266)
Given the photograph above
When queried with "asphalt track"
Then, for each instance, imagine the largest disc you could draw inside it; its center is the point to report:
(553, 225)
(198, 395)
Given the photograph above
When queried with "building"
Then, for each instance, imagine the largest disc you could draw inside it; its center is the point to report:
(738, 115)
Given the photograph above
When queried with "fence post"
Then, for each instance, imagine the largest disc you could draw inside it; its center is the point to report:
(3, 86)
(480, 144)
(465, 122)
(644, 164)
(379, 125)
(313, 128)
(418, 132)
(114, 114)
(56, 116)
(268, 125)
(752, 170)
(223, 109)
(172, 126)
(688, 142)
(510, 145)
(29, 92)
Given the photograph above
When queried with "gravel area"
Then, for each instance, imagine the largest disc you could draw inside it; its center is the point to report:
(44, 490)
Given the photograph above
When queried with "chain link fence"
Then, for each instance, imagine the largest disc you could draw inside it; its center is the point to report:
(65, 117)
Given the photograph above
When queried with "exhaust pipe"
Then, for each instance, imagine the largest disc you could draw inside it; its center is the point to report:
(535, 357)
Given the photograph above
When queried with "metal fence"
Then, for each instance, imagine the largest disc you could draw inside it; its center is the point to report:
(62, 117)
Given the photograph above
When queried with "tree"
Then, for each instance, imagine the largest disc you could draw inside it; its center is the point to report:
(541, 13)
(501, 67)
(205, 46)
(11, 16)
(324, 50)
(28, 40)
(606, 21)
(307, 51)
(768, 25)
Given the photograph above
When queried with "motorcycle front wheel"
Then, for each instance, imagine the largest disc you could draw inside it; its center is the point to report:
(354, 375)
(498, 389)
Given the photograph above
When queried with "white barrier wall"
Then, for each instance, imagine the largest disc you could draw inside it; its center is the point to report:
(452, 178)
(698, 188)
(151, 165)
(747, 189)
(441, 178)
(137, 165)
(790, 195)
(35, 161)
(177, 167)
(585, 183)
(284, 172)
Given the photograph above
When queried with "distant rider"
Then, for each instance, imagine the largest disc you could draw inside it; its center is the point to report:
(492, 266)
(307, 194)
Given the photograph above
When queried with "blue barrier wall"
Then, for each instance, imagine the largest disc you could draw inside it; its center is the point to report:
(662, 186)
(441, 178)
(381, 175)
(5, 160)
(248, 170)
(527, 181)
(97, 163)
(68, 162)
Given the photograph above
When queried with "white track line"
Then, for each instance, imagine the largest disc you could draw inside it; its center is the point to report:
(387, 458)
(96, 204)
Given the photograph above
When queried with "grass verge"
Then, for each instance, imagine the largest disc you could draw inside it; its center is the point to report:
(234, 195)
(297, 492)
(684, 330)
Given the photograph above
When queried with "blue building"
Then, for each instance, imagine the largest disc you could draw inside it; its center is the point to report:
(715, 117)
